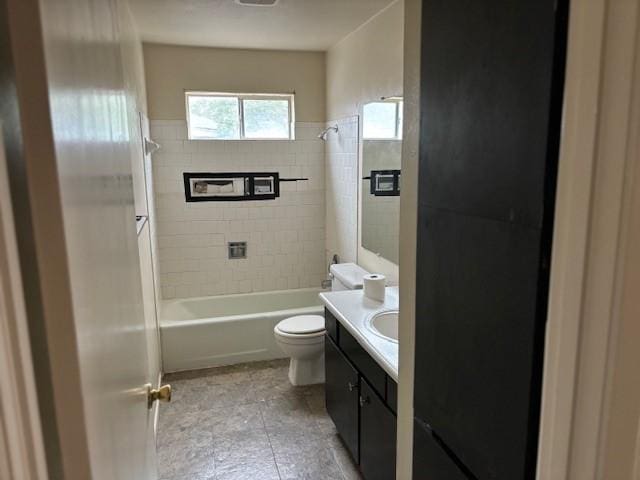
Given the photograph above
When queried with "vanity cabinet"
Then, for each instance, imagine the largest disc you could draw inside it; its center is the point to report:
(378, 434)
(342, 395)
(366, 365)
(361, 400)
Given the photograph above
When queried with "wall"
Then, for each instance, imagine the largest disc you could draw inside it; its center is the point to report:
(285, 236)
(408, 235)
(621, 436)
(341, 162)
(366, 64)
(590, 399)
(231, 70)
(362, 67)
(22, 453)
(20, 32)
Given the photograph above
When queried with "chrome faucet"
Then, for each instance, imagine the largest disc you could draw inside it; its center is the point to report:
(326, 284)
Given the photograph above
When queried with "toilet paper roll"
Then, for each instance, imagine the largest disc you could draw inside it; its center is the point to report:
(374, 286)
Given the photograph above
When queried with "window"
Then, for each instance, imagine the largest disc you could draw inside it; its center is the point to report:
(383, 120)
(222, 116)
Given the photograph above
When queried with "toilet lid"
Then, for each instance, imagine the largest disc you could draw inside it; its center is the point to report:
(302, 324)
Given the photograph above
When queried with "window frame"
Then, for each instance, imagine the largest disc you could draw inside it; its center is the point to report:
(241, 97)
(398, 102)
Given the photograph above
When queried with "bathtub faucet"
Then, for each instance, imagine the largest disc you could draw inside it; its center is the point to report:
(326, 284)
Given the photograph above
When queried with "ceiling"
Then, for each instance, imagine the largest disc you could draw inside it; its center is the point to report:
(289, 25)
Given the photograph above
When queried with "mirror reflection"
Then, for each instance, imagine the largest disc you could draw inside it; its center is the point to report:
(381, 165)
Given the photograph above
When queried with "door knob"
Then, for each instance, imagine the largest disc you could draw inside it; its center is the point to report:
(163, 394)
(351, 386)
(364, 401)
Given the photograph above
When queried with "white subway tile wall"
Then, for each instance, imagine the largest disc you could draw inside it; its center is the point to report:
(285, 237)
(341, 159)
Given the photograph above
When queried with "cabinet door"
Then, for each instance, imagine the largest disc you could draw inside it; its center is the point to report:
(377, 436)
(341, 390)
(363, 361)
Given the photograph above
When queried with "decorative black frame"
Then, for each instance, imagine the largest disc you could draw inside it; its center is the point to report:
(248, 177)
(384, 193)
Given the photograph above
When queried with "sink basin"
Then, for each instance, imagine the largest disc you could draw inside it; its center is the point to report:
(385, 325)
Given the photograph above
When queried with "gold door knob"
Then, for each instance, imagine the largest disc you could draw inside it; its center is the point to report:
(163, 394)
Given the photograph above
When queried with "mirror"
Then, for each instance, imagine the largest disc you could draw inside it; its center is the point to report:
(380, 189)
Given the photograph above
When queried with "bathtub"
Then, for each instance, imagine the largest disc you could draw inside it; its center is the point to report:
(223, 330)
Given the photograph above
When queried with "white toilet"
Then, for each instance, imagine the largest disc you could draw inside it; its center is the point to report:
(302, 337)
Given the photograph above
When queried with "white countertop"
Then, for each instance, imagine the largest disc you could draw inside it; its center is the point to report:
(352, 309)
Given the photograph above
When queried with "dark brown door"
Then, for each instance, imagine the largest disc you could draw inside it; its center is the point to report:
(491, 99)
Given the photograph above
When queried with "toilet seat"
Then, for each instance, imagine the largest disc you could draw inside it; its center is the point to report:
(302, 325)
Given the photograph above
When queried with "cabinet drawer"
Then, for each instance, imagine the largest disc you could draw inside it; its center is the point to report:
(331, 325)
(367, 366)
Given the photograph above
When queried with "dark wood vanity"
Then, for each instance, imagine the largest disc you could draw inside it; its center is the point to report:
(361, 400)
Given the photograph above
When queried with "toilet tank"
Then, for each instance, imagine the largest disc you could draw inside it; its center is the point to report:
(346, 276)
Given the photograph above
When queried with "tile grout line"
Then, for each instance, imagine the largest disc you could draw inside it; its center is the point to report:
(273, 453)
(213, 450)
(307, 398)
(325, 440)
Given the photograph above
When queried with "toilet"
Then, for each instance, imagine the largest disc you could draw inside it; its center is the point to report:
(302, 337)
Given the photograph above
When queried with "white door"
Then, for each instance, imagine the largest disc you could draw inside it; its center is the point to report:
(71, 172)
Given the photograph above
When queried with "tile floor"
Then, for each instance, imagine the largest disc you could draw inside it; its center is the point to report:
(247, 422)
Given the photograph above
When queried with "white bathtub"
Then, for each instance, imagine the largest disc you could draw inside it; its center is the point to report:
(227, 329)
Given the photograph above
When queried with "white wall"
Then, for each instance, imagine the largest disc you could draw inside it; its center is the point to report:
(285, 236)
(341, 162)
(232, 70)
(364, 66)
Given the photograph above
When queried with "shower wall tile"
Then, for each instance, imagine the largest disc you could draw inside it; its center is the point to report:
(341, 177)
(285, 237)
